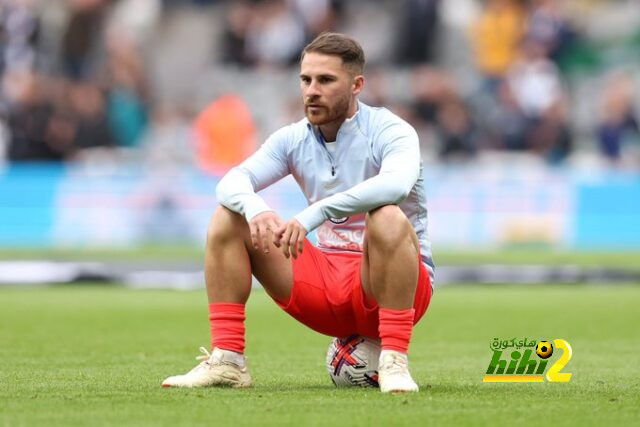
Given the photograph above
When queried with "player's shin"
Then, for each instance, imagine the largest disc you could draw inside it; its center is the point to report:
(227, 326)
(395, 327)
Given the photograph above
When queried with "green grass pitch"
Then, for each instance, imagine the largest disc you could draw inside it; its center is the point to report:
(86, 355)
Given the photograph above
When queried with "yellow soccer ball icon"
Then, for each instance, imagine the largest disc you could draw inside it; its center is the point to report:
(544, 349)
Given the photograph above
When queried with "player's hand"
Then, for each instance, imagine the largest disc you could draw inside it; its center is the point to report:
(262, 227)
(290, 237)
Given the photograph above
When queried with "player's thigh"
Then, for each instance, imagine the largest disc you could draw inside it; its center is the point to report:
(365, 269)
(273, 270)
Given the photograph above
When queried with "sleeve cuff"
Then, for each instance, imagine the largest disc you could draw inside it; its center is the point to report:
(256, 207)
(310, 218)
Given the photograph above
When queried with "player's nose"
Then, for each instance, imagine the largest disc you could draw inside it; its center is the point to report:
(313, 90)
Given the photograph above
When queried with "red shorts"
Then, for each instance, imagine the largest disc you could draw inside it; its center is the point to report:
(327, 294)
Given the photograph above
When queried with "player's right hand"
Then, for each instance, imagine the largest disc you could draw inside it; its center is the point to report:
(261, 228)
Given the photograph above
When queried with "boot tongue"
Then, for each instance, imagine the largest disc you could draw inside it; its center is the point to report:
(393, 359)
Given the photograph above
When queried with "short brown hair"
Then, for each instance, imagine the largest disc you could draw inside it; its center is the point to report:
(340, 45)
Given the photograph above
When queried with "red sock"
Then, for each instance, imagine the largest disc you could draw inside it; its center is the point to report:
(227, 326)
(395, 328)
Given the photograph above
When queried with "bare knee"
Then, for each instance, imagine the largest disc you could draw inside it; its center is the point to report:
(388, 226)
(224, 226)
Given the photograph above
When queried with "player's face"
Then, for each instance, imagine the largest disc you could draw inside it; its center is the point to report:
(328, 89)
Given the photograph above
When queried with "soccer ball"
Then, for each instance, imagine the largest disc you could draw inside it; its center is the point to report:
(544, 349)
(353, 361)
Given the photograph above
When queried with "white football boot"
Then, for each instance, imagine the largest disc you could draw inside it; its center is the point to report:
(220, 368)
(393, 372)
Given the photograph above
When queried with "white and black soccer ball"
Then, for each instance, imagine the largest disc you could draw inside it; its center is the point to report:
(353, 361)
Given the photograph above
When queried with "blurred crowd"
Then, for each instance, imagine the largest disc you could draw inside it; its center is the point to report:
(87, 89)
(77, 81)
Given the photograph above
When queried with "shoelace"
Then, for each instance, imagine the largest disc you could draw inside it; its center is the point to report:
(204, 359)
(207, 361)
(394, 364)
(205, 356)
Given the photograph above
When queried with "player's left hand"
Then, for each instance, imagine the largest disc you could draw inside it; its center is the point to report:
(290, 237)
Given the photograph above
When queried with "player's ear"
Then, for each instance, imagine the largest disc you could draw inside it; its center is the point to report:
(358, 84)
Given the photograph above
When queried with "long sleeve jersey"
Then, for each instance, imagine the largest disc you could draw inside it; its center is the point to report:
(376, 162)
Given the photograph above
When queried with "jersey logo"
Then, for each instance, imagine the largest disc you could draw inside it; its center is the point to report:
(330, 185)
(339, 220)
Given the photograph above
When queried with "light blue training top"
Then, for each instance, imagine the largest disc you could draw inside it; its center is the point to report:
(375, 161)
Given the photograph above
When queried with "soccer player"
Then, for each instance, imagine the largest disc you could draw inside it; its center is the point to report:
(371, 273)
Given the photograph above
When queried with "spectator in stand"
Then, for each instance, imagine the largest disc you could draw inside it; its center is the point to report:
(441, 115)
(618, 129)
(19, 32)
(276, 34)
(552, 138)
(456, 131)
(19, 35)
(88, 111)
(318, 15)
(137, 19)
(549, 24)
(36, 130)
(495, 37)
(225, 134)
(430, 88)
(82, 38)
(537, 90)
(534, 80)
(234, 36)
(505, 125)
(127, 107)
(418, 32)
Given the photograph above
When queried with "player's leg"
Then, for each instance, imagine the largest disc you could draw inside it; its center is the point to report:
(390, 258)
(230, 260)
(389, 274)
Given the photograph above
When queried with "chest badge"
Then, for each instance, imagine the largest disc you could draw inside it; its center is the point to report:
(339, 220)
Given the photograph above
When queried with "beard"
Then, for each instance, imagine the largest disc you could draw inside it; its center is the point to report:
(327, 113)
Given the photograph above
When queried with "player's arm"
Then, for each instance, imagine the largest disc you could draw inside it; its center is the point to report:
(399, 150)
(237, 189)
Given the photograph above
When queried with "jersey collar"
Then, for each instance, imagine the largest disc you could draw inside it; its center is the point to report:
(348, 125)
